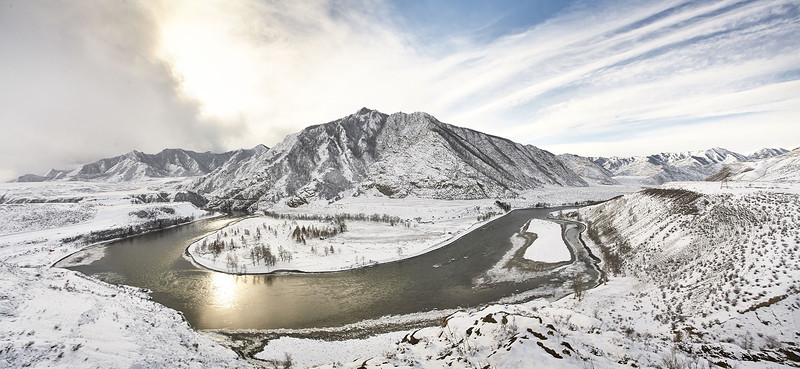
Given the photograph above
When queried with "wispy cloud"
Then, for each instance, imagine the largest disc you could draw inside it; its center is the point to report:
(640, 68)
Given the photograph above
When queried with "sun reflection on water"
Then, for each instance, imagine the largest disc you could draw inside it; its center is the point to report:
(223, 290)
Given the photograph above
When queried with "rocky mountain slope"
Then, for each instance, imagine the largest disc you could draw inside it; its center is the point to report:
(668, 167)
(587, 169)
(767, 153)
(138, 165)
(395, 155)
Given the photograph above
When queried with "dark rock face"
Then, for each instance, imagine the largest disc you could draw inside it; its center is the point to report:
(393, 155)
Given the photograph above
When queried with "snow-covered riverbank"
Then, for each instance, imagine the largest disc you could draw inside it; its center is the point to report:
(41, 223)
(273, 243)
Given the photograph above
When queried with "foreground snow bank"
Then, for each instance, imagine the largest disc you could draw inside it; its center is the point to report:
(58, 318)
(319, 352)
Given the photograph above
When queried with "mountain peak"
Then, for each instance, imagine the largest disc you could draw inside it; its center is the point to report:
(395, 155)
(767, 152)
(366, 111)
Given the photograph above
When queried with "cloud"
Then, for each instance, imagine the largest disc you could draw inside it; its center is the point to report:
(280, 66)
(97, 79)
(81, 81)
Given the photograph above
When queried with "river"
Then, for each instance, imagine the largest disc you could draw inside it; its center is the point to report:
(211, 300)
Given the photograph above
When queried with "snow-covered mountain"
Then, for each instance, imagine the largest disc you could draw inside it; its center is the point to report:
(668, 167)
(138, 165)
(767, 153)
(587, 169)
(393, 155)
(780, 168)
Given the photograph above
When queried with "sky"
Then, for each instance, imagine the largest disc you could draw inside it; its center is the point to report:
(84, 80)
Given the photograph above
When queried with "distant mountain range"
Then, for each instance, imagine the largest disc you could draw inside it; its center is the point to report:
(667, 167)
(777, 168)
(137, 165)
(398, 155)
(660, 168)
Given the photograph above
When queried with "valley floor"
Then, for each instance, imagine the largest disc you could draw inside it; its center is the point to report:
(659, 309)
(51, 317)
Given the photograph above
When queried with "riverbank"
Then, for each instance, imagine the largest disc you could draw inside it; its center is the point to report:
(327, 242)
(46, 222)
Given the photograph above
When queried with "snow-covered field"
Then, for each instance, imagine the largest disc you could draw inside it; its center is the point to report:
(557, 196)
(41, 223)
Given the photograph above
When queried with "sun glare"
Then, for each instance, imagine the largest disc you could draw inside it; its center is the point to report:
(209, 59)
(223, 290)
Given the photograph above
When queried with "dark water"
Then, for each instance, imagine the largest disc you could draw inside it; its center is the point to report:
(211, 300)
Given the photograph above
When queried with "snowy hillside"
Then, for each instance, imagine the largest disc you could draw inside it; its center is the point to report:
(137, 165)
(668, 167)
(780, 168)
(719, 267)
(394, 155)
(590, 171)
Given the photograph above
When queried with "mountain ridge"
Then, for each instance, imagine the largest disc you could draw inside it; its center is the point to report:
(394, 155)
(659, 168)
(135, 165)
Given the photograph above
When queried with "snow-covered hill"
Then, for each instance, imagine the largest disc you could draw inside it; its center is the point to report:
(668, 167)
(780, 168)
(137, 165)
(395, 155)
(587, 169)
(719, 267)
(767, 153)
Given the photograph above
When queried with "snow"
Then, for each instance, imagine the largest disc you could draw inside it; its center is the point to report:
(59, 318)
(735, 296)
(549, 247)
(425, 225)
(642, 317)
(556, 196)
(38, 239)
(319, 352)
(52, 317)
